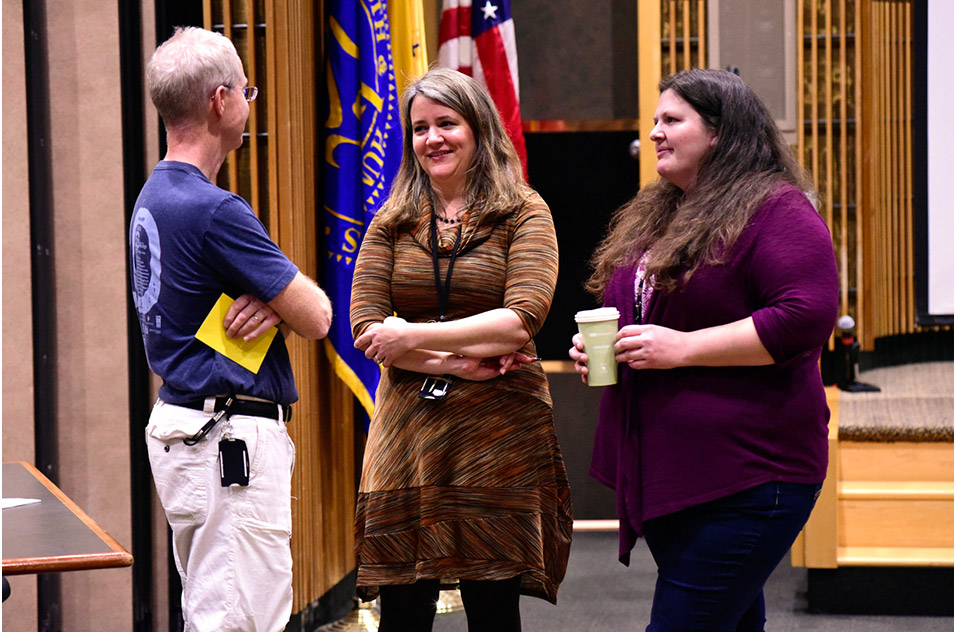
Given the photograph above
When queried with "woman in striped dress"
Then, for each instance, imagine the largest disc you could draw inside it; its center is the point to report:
(463, 479)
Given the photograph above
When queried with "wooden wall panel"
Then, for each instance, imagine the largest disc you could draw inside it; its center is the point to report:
(887, 168)
(826, 134)
(324, 486)
(856, 76)
(277, 170)
(671, 36)
(683, 31)
(650, 60)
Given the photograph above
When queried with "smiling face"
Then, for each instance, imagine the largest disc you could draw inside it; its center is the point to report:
(444, 143)
(681, 139)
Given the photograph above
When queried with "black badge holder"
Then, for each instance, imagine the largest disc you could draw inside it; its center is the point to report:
(233, 462)
(435, 387)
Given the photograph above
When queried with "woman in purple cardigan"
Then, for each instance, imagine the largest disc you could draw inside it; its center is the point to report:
(715, 435)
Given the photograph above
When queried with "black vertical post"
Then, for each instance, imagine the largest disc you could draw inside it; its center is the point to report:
(921, 162)
(43, 276)
(134, 169)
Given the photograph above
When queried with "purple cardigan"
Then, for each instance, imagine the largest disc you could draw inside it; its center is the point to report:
(670, 439)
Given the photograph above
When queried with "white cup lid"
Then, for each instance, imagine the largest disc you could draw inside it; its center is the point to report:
(597, 315)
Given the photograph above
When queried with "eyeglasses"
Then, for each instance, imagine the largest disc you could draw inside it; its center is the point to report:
(249, 92)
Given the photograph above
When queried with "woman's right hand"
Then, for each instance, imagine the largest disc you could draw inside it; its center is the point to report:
(472, 369)
(580, 358)
(482, 369)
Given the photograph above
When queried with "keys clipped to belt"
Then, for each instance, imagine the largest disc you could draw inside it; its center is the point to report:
(233, 453)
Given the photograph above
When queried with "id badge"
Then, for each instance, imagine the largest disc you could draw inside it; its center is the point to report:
(435, 387)
(233, 462)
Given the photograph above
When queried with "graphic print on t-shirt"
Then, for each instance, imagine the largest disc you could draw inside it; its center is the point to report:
(146, 262)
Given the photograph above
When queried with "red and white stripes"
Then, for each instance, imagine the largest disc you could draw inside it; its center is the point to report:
(479, 40)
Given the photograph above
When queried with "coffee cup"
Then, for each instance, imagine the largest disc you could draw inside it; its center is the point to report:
(598, 328)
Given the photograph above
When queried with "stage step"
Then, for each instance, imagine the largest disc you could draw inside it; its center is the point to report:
(884, 504)
(895, 556)
(895, 461)
(881, 514)
(896, 490)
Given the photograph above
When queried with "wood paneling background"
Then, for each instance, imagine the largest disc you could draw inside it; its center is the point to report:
(886, 185)
(854, 136)
(827, 141)
(855, 66)
(278, 171)
(683, 35)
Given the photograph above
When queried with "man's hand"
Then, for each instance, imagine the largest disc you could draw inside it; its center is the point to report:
(249, 318)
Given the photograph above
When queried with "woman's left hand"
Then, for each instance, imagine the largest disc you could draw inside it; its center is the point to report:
(385, 342)
(650, 347)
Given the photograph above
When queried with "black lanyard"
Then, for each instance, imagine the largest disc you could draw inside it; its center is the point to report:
(639, 303)
(443, 292)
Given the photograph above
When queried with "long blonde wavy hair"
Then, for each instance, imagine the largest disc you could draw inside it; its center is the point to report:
(495, 185)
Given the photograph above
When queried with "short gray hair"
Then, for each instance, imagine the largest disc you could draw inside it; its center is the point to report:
(186, 70)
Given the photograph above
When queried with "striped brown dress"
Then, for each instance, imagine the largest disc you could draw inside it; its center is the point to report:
(472, 486)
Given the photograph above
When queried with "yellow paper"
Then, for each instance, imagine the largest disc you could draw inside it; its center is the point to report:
(247, 354)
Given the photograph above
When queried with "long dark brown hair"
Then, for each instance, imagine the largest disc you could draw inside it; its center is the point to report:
(681, 230)
(495, 184)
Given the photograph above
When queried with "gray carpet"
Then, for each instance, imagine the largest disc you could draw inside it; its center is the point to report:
(601, 595)
(915, 403)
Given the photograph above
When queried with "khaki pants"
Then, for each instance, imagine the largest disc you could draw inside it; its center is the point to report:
(231, 544)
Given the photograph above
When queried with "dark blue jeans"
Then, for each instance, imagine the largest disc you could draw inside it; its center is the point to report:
(714, 559)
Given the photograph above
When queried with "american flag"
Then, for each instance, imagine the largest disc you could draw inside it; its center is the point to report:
(479, 40)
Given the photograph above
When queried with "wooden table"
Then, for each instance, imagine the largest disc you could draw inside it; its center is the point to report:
(54, 534)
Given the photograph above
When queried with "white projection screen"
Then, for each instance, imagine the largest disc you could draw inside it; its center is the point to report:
(934, 166)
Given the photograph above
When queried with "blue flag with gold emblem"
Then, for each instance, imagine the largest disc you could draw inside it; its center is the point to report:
(363, 147)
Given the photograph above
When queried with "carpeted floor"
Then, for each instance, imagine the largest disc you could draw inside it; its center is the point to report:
(915, 403)
(601, 595)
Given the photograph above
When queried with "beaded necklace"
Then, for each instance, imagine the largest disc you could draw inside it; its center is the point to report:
(444, 220)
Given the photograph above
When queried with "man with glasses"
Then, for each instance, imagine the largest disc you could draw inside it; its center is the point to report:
(219, 451)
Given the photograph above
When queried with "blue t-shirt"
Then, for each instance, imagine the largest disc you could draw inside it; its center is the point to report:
(191, 242)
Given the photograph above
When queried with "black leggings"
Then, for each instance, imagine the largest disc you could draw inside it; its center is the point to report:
(490, 606)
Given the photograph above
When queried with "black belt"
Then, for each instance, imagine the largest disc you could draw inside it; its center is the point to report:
(244, 407)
